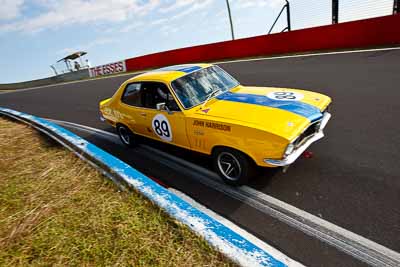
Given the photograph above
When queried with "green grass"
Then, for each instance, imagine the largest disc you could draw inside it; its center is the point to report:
(57, 210)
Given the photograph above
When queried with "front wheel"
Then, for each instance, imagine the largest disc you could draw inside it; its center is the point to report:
(234, 167)
(126, 136)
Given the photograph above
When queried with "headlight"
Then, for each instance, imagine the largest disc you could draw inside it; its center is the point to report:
(289, 149)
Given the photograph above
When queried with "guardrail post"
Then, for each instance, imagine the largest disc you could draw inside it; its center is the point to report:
(288, 15)
(335, 11)
(396, 6)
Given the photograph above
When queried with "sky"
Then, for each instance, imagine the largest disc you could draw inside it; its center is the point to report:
(34, 34)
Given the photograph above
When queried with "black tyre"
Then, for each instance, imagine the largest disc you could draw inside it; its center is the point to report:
(234, 167)
(126, 136)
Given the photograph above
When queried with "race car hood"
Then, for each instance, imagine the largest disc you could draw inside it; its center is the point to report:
(291, 96)
(281, 111)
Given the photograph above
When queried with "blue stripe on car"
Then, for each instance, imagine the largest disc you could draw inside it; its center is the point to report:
(182, 68)
(306, 110)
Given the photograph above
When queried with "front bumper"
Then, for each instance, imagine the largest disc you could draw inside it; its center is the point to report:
(296, 153)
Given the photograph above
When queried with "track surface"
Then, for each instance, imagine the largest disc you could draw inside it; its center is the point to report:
(353, 180)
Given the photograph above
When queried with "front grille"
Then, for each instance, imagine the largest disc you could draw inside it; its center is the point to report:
(307, 134)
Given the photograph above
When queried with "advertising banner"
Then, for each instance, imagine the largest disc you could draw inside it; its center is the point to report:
(108, 69)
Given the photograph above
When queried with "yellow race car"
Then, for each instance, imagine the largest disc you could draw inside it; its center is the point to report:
(202, 108)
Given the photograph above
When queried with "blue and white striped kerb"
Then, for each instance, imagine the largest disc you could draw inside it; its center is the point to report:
(221, 237)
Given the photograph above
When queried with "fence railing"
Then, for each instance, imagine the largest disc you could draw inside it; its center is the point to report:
(302, 14)
(288, 27)
(396, 6)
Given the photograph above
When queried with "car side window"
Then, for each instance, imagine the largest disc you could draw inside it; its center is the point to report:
(132, 95)
(154, 93)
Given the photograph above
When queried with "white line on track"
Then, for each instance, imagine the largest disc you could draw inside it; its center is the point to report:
(311, 55)
(216, 62)
(80, 126)
(347, 241)
(261, 244)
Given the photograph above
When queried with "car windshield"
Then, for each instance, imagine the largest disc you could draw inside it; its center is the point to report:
(195, 88)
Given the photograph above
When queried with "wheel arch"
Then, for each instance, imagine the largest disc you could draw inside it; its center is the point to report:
(122, 124)
(216, 147)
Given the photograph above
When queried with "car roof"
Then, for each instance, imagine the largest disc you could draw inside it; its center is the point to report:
(170, 73)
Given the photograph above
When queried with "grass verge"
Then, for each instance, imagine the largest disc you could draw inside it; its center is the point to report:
(57, 210)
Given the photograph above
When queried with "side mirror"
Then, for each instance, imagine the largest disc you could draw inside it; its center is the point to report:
(163, 106)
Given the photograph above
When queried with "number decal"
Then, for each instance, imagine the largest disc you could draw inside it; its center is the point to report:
(285, 96)
(157, 127)
(165, 128)
(162, 127)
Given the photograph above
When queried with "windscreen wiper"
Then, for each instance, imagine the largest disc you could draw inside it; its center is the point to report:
(209, 96)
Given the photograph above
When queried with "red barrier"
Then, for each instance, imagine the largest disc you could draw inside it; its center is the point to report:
(356, 34)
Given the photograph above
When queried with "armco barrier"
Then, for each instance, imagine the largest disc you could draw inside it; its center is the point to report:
(71, 76)
(233, 245)
(381, 31)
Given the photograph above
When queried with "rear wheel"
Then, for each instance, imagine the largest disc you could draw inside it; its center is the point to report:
(234, 167)
(126, 136)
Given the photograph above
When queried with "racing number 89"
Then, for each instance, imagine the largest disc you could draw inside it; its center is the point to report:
(284, 95)
(161, 128)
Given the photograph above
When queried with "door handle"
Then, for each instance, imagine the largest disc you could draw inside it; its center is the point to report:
(143, 114)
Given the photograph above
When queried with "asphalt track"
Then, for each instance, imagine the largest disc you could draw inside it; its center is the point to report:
(353, 179)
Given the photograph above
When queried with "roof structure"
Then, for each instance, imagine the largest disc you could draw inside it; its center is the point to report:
(170, 73)
(73, 56)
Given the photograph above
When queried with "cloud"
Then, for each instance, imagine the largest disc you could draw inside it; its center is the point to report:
(132, 26)
(159, 21)
(63, 13)
(257, 3)
(10, 9)
(81, 12)
(196, 6)
(166, 23)
(167, 30)
(87, 46)
(177, 5)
